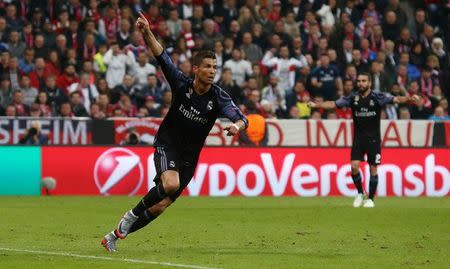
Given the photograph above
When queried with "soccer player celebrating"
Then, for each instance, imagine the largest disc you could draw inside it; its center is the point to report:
(196, 104)
(366, 106)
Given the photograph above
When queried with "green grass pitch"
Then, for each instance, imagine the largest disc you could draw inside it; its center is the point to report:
(264, 232)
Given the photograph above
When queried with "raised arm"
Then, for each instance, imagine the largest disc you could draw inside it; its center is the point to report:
(269, 60)
(150, 39)
(173, 75)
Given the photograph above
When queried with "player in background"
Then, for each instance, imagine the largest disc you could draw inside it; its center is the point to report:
(366, 106)
(196, 104)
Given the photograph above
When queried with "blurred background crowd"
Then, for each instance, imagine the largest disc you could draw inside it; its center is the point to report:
(85, 58)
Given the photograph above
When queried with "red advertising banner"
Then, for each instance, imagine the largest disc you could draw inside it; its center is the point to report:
(298, 133)
(303, 172)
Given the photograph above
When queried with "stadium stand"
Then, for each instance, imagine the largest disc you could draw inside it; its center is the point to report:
(86, 58)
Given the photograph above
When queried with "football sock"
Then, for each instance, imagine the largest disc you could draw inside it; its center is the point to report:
(373, 183)
(143, 220)
(357, 180)
(154, 196)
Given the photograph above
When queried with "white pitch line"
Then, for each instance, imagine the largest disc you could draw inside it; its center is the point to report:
(65, 254)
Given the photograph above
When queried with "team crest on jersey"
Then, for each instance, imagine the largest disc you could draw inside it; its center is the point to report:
(371, 103)
(188, 94)
(209, 106)
(356, 100)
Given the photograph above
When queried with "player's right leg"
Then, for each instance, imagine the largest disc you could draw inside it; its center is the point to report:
(357, 154)
(167, 170)
(168, 185)
(186, 172)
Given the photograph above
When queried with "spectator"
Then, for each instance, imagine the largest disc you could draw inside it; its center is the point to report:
(209, 35)
(56, 96)
(29, 93)
(239, 67)
(108, 25)
(17, 101)
(99, 65)
(437, 48)
(142, 69)
(3, 30)
(65, 110)
(404, 113)
(220, 59)
(422, 109)
(103, 104)
(380, 81)
(283, 67)
(87, 50)
(123, 36)
(41, 51)
(126, 87)
(96, 113)
(43, 105)
(13, 72)
(68, 78)
(275, 95)
(13, 21)
(71, 34)
(417, 55)
(26, 64)
(257, 134)
(53, 65)
(117, 61)
(48, 34)
(391, 26)
(10, 111)
(325, 79)
(126, 106)
(5, 91)
(150, 89)
(439, 114)
(35, 111)
(34, 136)
(252, 51)
(151, 107)
(77, 106)
(304, 111)
(88, 91)
(230, 86)
(132, 138)
(16, 47)
(174, 23)
(293, 96)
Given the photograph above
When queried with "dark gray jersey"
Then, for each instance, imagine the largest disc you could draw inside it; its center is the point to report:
(191, 116)
(366, 112)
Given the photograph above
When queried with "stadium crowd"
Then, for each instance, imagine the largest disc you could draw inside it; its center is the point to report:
(87, 59)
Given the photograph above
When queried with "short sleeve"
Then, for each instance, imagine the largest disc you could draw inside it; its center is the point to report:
(383, 98)
(344, 101)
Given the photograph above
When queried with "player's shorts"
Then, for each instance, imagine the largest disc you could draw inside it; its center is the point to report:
(184, 162)
(371, 147)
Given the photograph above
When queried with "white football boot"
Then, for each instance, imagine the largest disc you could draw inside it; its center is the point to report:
(358, 200)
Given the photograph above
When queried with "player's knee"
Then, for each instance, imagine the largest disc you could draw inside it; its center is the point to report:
(355, 169)
(171, 186)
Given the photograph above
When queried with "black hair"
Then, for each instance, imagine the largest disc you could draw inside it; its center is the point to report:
(204, 54)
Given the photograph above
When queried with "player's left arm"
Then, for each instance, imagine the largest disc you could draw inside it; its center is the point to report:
(232, 112)
(387, 98)
(405, 99)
